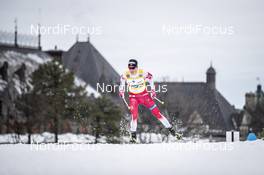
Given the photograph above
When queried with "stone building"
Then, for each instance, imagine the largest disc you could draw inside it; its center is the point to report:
(200, 107)
(252, 116)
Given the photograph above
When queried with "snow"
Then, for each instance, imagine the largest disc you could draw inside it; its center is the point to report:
(12, 138)
(37, 59)
(32, 60)
(166, 158)
(73, 138)
(18, 85)
(88, 88)
(3, 84)
(15, 60)
(47, 137)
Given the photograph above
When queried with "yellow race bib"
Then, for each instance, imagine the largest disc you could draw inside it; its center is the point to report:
(136, 83)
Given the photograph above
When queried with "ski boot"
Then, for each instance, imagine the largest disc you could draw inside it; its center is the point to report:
(175, 134)
(133, 138)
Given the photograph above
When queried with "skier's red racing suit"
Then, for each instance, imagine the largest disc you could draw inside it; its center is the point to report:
(138, 95)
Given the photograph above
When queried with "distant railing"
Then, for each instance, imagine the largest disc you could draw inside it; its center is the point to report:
(23, 40)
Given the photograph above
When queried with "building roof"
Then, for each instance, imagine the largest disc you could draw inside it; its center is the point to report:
(88, 64)
(185, 98)
(211, 70)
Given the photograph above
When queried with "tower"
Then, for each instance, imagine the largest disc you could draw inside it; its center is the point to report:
(88, 37)
(259, 93)
(39, 38)
(210, 77)
(15, 42)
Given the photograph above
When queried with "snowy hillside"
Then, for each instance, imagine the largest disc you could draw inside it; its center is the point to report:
(242, 158)
(89, 89)
(15, 59)
(32, 60)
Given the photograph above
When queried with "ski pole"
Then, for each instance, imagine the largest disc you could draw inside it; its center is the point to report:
(126, 102)
(162, 102)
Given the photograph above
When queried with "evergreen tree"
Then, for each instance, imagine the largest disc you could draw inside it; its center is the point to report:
(56, 92)
(25, 103)
(106, 119)
(54, 97)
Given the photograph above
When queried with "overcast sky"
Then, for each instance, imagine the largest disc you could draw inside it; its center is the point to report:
(169, 38)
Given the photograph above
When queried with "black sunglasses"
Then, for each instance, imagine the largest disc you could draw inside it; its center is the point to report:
(131, 66)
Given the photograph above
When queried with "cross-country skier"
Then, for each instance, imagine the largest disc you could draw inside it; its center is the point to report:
(136, 80)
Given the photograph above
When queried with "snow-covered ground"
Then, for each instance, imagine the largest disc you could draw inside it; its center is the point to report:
(47, 137)
(242, 158)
